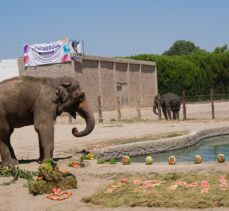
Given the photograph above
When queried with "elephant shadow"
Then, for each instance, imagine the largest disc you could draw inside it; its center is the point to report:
(26, 161)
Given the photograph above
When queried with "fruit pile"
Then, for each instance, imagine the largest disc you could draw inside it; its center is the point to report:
(50, 177)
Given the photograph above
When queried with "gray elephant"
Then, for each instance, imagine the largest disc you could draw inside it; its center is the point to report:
(169, 102)
(38, 101)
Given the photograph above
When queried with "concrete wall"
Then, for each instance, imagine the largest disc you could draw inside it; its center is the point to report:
(8, 69)
(106, 77)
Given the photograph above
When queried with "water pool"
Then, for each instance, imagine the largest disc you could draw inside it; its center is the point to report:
(208, 148)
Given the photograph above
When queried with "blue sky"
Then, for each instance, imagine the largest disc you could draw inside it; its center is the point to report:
(113, 28)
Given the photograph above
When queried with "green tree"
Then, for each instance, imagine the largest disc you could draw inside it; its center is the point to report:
(182, 47)
(221, 49)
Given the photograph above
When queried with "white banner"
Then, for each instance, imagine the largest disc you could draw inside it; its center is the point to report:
(50, 53)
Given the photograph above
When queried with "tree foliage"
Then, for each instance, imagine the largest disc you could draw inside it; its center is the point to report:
(182, 47)
(221, 49)
(196, 73)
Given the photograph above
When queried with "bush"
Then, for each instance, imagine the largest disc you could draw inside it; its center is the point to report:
(196, 73)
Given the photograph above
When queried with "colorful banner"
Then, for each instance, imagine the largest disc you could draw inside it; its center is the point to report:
(50, 53)
(76, 49)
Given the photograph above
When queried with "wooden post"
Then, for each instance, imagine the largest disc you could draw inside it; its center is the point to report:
(119, 108)
(70, 118)
(100, 110)
(159, 107)
(212, 103)
(138, 109)
(184, 106)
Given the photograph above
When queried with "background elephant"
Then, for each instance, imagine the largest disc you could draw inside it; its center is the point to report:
(38, 101)
(169, 102)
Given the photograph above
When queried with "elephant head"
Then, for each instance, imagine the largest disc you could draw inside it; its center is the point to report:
(72, 99)
(159, 101)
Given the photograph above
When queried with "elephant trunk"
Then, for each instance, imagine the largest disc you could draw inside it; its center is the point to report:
(155, 109)
(85, 113)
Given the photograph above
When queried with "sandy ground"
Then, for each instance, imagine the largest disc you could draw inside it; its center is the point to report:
(15, 197)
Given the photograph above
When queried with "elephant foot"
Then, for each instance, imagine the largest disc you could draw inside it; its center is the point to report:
(40, 161)
(10, 162)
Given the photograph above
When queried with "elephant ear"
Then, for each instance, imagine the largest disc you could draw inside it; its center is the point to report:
(63, 92)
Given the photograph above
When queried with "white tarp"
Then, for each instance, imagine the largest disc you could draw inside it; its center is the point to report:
(47, 53)
(8, 69)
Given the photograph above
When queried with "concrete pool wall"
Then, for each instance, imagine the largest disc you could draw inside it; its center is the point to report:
(160, 145)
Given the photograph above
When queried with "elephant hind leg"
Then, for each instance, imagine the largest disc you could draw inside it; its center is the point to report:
(165, 114)
(177, 115)
(6, 150)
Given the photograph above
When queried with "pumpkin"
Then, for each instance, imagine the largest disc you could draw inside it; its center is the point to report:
(125, 160)
(172, 160)
(149, 160)
(221, 158)
(90, 156)
(197, 159)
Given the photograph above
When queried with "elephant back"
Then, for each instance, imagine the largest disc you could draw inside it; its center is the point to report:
(173, 99)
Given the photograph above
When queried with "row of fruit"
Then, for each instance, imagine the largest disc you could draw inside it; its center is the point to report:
(148, 160)
(171, 159)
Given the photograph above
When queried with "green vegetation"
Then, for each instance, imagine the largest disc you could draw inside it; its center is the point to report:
(16, 173)
(50, 177)
(182, 47)
(187, 67)
(148, 137)
(193, 190)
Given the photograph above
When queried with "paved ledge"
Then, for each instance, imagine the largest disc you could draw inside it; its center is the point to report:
(161, 145)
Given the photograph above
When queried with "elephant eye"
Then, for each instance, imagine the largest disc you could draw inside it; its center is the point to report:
(81, 97)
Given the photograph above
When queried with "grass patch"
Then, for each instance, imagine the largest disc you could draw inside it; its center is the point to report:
(149, 137)
(117, 141)
(130, 121)
(135, 120)
(113, 125)
(155, 191)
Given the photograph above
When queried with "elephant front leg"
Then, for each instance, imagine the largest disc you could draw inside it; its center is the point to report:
(169, 114)
(45, 132)
(41, 151)
(165, 114)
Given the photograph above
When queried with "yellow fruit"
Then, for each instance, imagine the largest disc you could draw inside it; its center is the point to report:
(172, 160)
(197, 159)
(149, 160)
(221, 158)
(125, 160)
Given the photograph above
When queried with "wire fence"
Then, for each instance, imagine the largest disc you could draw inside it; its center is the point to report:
(193, 107)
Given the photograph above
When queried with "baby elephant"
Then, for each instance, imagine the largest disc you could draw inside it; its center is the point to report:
(169, 102)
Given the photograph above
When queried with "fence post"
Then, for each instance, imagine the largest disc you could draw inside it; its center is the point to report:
(184, 105)
(100, 110)
(138, 109)
(159, 107)
(70, 118)
(212, 103)
(119, 108)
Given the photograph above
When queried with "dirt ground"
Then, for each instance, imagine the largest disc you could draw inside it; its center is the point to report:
(15, 197)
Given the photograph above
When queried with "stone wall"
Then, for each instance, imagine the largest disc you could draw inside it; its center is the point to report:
(129, 80)
(158, 146)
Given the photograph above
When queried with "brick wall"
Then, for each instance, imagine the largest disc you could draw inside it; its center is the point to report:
(105, 77)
